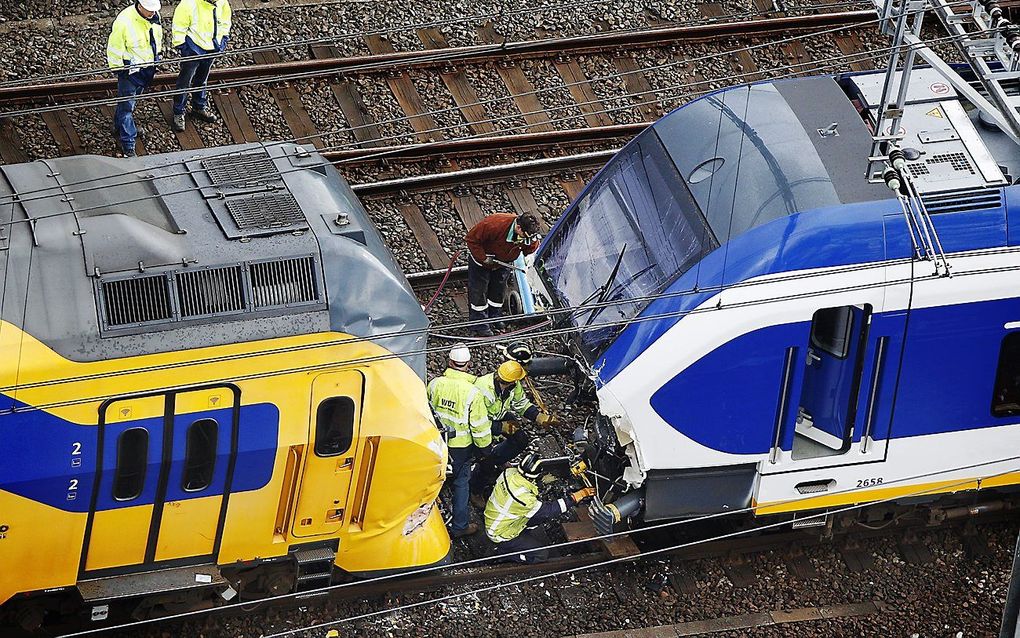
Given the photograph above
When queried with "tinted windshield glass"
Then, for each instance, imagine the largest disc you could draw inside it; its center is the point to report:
(637, 207)
(747, 158)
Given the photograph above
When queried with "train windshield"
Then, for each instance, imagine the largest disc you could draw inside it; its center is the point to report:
(634, 230)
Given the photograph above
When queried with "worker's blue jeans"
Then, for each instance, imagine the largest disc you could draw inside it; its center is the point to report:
(194, 75)
(129, 85)
(461, 458)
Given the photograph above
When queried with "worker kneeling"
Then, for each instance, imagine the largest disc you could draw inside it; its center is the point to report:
(514, 512)
(507, 405)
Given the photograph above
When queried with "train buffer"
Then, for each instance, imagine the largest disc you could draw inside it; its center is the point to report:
(616, 547)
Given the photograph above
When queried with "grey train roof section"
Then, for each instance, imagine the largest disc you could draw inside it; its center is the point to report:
(126, 257)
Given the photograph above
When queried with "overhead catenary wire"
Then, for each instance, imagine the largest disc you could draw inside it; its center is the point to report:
(405, 118)
(65, 189)
(603, 537)
(478, 103)
(354, 361)
(334, 39)
(439, 55)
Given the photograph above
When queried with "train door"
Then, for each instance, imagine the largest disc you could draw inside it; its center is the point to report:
(198, 479)
(164, 472)
(837, 391)
(831, 367)
(329, 464)
(132, 432)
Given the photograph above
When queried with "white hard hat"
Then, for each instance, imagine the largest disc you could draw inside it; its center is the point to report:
(460, 354)
(150, 5)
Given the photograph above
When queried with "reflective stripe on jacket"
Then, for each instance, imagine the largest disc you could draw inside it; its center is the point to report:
(459, 406)
(512, 503)
(133, 40)
(516, 403)
(205, 23)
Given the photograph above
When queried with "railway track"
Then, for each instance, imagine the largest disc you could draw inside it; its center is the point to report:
(735, 557)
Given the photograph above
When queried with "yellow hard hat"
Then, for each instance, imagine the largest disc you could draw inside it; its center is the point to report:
(511, 372)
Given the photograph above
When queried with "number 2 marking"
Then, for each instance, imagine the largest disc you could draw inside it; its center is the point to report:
(73, 485)
(75, 448)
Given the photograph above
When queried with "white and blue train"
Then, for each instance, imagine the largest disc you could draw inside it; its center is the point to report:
(761, 329)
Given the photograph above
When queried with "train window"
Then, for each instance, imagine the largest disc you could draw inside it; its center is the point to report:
(831, 329)
(334, 426)
(199, 455)
(1006, 398)
(132, 461)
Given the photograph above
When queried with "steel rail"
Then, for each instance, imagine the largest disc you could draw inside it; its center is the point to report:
(474, 54)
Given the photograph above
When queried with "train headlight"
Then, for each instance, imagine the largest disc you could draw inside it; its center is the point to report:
(418, 518)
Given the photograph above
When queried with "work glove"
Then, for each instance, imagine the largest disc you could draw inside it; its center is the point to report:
(223, 44)
(490, 262)
(545, 419)
(582, 494)
(510, 427)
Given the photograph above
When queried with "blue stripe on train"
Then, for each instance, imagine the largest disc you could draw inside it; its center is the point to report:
(823, 238)
(727, 400)
(52, 461)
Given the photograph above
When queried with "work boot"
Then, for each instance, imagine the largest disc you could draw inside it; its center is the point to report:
(482, 329)
(495, 314)
(472, 528)
(205, 115)
(129, 152)
(178, 124)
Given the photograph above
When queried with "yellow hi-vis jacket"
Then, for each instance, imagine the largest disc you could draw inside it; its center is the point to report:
(516, 403)
(133, 40)
(204, 22)
(458, 405)
(512, 503)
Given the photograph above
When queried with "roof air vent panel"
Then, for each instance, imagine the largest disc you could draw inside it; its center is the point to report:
(266, 213)
(139, 300)
(243, 169)
(212, 291)
(284, 282)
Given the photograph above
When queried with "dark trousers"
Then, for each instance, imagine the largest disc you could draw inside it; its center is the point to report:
(486, 289)
(194, 75)
(529, 539)
(487, 470)
(461, 458)
(129, 85)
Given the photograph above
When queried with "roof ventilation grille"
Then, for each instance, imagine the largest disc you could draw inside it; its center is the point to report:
(212, 291)
(963, 200)
(241, 170)
(284, 282)
(137, 300)
(265, 210)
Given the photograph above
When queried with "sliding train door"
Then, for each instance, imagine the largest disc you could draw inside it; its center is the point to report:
(163, 479)
(837, 391)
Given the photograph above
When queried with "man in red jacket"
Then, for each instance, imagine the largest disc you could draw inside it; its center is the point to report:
(495, 242)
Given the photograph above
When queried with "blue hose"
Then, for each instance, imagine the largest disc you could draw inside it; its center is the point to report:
(527, 299)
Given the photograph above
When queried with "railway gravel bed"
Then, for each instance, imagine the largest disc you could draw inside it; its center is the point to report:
(953, 592)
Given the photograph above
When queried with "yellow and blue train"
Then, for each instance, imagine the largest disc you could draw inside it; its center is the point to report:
(198, 396)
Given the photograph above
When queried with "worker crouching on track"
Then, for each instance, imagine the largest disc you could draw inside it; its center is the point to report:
(514, 512)
(494, 243)
(459, 407)
(201, 28)
(132, 51)
(507, 405)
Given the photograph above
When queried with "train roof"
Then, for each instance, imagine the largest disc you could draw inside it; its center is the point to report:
(107, 257)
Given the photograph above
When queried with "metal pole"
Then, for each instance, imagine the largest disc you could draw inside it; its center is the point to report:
(1012, 610)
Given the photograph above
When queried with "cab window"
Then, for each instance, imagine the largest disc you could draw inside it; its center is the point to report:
(334, 426)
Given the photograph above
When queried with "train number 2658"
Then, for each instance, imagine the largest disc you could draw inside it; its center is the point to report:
(868, 482)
